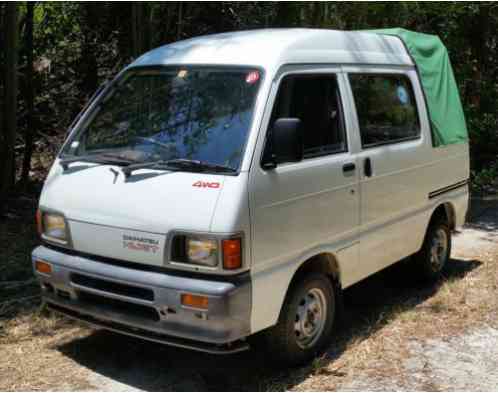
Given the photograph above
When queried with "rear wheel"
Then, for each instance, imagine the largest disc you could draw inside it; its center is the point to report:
(436, 250)
(305, 323)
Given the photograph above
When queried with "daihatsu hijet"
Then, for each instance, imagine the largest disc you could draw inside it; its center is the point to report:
(235, 184)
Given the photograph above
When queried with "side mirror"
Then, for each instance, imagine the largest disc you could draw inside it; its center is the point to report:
(285, 143)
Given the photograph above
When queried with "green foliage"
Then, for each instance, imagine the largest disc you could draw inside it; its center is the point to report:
(483, 130)
(484, 180)
(79, 45)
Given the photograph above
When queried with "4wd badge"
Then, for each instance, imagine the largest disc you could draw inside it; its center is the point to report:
(206, 184)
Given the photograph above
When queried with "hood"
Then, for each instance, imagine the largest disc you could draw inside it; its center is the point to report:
(105, 212)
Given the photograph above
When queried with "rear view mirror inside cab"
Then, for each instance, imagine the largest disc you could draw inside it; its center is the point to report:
(285, 143)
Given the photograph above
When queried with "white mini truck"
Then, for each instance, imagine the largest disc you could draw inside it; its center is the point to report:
(234, 184)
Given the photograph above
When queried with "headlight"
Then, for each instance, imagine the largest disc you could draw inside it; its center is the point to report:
(201, 251)
(221, 253)
(53, 227)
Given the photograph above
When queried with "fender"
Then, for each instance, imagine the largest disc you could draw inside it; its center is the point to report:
(278, 276)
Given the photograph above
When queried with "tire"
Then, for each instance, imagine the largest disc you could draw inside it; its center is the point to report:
(305, 323)
(433, 257)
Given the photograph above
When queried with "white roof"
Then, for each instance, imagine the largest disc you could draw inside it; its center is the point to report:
(271, 48)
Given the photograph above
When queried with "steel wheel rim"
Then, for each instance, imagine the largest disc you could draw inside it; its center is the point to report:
(439, 249)
(310, 318)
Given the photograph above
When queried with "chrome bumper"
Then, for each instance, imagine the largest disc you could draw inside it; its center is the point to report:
(147, 304)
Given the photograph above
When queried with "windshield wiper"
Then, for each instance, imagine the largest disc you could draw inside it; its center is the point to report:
(179, 163)
(184, 163)
(104, 158)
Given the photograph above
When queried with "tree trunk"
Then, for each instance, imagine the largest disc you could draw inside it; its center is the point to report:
(479, 32)
(287, 15)
(10, 102)
(90, 28)
(138, 28)
(30, 129)
(2, 81)
(150, 27)
(179, 26)
(317, 15)
(168, 22)
(325, 16)
(134, 28)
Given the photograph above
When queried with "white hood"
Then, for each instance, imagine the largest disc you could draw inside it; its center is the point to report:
(104, 210)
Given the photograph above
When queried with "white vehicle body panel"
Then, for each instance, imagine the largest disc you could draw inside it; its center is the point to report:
(96, 195)
(101, 208)
(294, 212)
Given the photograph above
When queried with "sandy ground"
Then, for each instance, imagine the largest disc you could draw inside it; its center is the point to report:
(380, 354)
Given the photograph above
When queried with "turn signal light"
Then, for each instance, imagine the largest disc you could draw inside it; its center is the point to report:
(43, 267)
(195, 301)
(232, 254)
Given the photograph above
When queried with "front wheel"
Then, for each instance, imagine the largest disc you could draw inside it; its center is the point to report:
(305, 323)
(435, 252)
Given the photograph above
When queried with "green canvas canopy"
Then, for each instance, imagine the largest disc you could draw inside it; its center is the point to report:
(440, 88)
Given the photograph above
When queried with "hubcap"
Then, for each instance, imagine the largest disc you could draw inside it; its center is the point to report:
(439, 249)
(310, 318)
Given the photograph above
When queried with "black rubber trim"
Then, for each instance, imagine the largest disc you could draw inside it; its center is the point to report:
(391, 142)
(112, 287)
(148, 335)
(446, 189)
(146, 313)
(236, 279)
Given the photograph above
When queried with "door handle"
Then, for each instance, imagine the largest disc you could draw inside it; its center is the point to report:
(348, 167)
(367, 167)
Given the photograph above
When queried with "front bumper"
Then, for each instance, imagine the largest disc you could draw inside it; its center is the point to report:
(147, 304)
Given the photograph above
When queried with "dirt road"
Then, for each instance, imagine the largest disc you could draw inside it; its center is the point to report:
(396, 336)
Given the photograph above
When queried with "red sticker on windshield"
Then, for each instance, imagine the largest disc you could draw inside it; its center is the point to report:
(252, 77)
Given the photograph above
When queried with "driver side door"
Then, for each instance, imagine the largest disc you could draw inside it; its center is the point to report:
(312, 206)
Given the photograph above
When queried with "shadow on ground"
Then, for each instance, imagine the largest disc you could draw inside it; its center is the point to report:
(148, 366)
(483, 215)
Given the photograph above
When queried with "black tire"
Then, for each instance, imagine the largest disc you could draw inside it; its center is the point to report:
(428, 267)
(281, 341)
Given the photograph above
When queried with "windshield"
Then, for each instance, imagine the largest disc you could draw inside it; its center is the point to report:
(194, 113)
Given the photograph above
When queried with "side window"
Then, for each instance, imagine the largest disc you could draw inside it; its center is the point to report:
(315, 99)
(386, 108)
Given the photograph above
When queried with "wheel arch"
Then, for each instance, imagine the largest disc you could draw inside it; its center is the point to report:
(446, 211)
(324, 262)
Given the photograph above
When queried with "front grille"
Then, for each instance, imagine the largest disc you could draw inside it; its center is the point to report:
(112, 287)
(119, 306)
